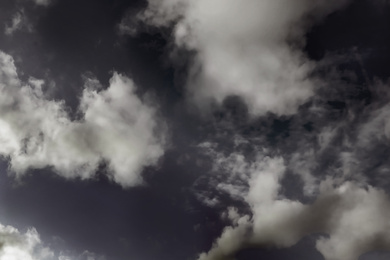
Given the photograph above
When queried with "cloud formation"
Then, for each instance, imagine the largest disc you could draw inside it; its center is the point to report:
(18, 22)
(251, 48)
(354, 217)
(115, 127)
(42, 2)
(16, 245)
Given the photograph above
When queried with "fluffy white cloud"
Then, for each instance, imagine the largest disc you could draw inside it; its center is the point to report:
(355, 217)
(27, 246)
(116, 127)
(249, 48)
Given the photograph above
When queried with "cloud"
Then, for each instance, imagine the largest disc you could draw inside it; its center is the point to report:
(250, 48)
(28, 246)
(42, 2)
(86, 255)
(352, 216)
(16, 245)
(16, 24)
(19, 22)
(115, 127)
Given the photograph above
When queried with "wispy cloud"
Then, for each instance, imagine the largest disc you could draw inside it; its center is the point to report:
(15, 245)
(19, 22)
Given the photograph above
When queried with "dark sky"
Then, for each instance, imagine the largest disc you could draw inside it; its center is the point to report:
(163, 129)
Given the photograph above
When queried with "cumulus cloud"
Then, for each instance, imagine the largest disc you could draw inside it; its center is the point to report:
(353, 216)
(115, 127)
(15, 245)
(250, 48)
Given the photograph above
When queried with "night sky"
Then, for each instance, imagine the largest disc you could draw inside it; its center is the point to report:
(194, 129)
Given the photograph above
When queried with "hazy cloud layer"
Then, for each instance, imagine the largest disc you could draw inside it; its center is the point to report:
(115, 127)
(250, 48)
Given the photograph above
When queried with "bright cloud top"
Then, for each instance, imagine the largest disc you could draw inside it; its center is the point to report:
(249, 48)
(28, 246)
(116, 128)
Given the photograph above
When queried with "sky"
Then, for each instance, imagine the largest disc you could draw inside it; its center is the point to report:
(194, 129)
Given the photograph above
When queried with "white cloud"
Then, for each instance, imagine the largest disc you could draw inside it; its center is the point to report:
(19, 22)
(358, 222)
(116, 127)
(355, 217)
(16, 245)
(248, 48)
(27, 246)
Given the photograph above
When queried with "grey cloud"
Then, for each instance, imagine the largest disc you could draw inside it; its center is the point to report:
(42, 2)
(18, 22)
(16, 245)
(15, 24)
(86, 255)
(116, 127)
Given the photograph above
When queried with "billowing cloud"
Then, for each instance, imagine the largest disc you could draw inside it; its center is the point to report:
(352, 216)
(115, 127)
(15, 245)
(250, 48)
